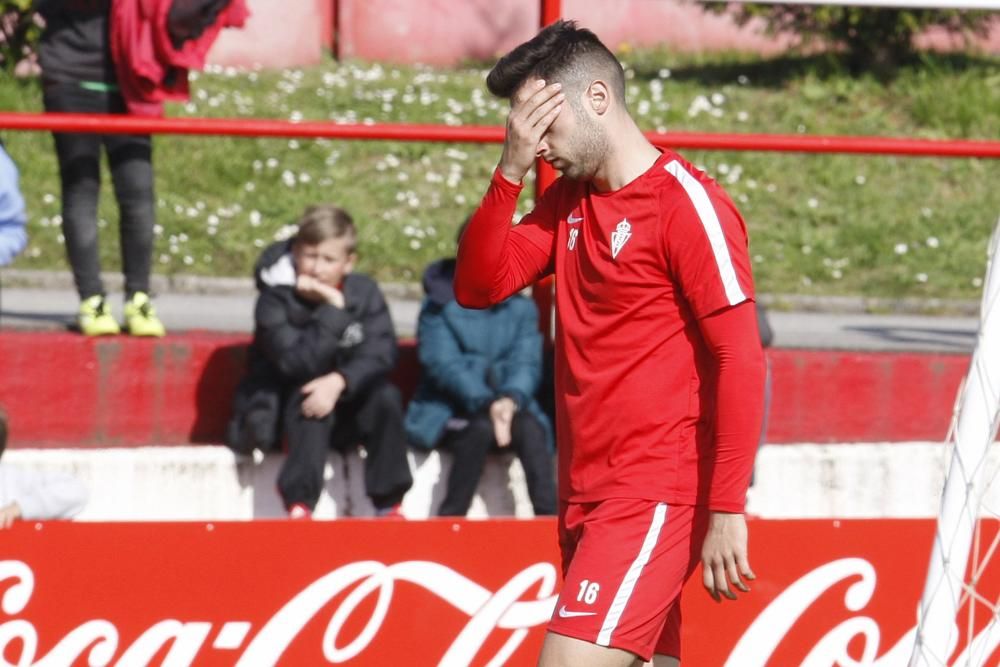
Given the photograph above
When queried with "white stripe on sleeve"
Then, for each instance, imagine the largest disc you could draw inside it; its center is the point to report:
(713, 228)
(628, 583)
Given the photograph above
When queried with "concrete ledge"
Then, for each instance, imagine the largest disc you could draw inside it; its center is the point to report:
(857, 480)
(195, 483)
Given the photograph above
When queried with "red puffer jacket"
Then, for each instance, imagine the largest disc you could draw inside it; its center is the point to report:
(154, 43)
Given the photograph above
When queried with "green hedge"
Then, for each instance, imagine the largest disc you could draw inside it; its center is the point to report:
(872, 39)
(18, 32)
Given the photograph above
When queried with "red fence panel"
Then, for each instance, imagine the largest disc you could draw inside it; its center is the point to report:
(65, 390)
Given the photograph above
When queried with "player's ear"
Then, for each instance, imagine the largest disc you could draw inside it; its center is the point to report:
(598, 97)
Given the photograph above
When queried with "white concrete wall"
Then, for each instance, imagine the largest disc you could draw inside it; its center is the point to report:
(865, 480)
(207, 483)
(196, 483)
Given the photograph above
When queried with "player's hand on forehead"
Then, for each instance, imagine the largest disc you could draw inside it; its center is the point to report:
(533, 109)
(536, 105)
(534, 92)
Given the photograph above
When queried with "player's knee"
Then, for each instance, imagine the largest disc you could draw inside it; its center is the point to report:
(387, 400)
(479, 435)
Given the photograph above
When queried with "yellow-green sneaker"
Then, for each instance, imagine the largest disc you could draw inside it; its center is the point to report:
(140, 317)
(95, 318)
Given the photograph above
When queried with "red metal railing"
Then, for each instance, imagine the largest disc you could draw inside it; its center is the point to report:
(244, 127)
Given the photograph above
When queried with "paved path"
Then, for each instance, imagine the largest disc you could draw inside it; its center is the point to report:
(858, 331)
(48, 302)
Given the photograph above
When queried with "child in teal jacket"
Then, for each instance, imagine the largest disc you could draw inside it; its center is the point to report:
(480, 370)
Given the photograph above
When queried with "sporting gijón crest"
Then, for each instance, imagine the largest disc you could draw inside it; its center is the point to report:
(619, 237)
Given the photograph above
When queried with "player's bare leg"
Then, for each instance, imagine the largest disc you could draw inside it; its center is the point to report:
(562, 651)
(663, 661)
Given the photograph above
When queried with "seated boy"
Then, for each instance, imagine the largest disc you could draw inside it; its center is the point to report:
(323, 348)
(480, 370)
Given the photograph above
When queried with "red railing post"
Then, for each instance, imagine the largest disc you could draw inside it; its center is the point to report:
(551, 11)
(335, 29)
(544, 291)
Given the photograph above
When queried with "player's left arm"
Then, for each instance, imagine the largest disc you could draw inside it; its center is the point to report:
(731, 335)
(708, 257)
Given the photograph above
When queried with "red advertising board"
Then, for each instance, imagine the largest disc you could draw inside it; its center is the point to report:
(438, 592)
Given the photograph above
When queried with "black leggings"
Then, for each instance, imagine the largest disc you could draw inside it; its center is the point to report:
(469, 447)
(130, 159)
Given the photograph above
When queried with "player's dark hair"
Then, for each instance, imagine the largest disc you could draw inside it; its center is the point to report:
(326, 221)
(561, 52)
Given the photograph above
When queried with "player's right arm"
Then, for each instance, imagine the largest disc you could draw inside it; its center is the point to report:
(496, 259)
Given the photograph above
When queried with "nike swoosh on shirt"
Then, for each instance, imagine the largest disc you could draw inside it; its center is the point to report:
(571, 220)
(564, 613)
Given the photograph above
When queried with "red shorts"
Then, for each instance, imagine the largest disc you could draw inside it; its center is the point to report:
(625, 562)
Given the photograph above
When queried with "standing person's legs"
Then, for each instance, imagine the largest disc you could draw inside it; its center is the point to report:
(528, 440)
(300, 480)
(131, 160)
(130, 157)
(469, 447)
(79, 158)
(376, 421)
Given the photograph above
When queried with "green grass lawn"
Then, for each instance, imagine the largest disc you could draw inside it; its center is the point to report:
(820, 224)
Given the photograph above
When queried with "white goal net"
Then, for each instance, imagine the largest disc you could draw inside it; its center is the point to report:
(959, 614)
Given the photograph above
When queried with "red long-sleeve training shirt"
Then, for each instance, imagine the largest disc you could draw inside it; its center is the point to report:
(659, 368)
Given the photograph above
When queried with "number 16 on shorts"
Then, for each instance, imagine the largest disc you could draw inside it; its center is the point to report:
(589, 591)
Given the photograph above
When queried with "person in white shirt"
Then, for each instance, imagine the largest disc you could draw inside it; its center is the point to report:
(32, 495)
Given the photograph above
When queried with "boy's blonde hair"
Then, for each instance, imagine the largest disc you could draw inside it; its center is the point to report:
(326, 221)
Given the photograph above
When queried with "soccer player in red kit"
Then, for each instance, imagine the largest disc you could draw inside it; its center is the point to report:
(659, 367)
